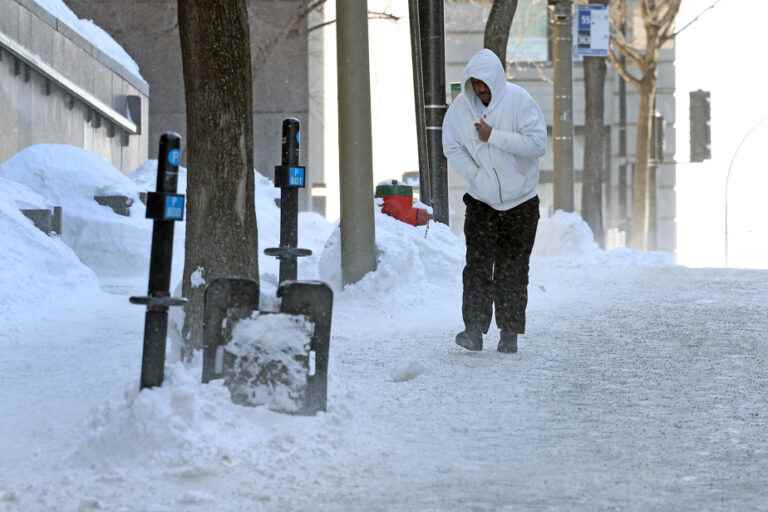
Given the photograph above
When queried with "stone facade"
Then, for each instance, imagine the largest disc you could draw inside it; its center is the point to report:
(55, 87)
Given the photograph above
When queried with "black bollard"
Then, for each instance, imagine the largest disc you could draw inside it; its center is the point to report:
(165, 207)
(289, 177)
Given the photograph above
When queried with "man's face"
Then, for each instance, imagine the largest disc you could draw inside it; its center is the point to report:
(482, 91)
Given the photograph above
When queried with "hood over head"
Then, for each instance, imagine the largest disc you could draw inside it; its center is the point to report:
(486, 66)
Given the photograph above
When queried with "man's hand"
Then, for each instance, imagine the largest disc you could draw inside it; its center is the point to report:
(483, 130)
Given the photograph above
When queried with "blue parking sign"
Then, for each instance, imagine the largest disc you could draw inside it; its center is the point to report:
(174, 207)
(296, 177)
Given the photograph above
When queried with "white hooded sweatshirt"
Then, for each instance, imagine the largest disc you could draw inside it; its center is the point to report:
(504, 171)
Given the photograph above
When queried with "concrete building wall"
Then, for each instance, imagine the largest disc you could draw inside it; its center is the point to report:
(465, 24)
(42, 62)
(148, 30)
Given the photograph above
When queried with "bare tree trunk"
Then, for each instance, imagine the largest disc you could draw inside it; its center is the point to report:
(497, 27)
(221, 238)
(639, 230)
(594, 139)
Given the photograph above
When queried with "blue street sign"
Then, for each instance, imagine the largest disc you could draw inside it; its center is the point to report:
(592, 30)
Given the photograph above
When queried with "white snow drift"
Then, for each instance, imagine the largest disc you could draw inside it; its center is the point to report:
(92, 32)
(110, 244)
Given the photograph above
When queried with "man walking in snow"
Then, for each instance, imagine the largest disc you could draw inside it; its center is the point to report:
(493, 135)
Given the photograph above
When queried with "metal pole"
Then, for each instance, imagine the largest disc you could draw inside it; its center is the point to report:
(289, 177)
(158, 296)
(624, 166)
(657, 158)
(289, 201)
(431, 16)
(358, 247)
(562, 126)
(425, 187)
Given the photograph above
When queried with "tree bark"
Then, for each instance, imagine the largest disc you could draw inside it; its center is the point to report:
(221, 237)
(594, 143)
(639, 230)
(497, 27)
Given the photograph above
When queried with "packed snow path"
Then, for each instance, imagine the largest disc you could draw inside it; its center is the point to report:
(636, 388)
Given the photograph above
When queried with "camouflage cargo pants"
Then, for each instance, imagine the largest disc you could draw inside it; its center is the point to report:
(499, 245)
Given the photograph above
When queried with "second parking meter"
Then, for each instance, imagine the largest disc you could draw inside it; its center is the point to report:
(289, 177)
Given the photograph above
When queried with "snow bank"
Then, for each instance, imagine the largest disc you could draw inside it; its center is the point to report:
(33, 266)
(110, 244)
(566, 235)
(22, 196)
(92, 32)
(567, 238)
(410, 259)
(194, 430)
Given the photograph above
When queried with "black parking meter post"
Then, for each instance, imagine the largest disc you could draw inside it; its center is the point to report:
(289, 201)
(165, 206)
(289, 177)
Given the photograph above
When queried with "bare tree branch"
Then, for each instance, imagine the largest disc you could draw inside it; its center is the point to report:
(627, 50)
(668, 20)
(672, 36)
(264, 51)
(320, 25)
(372, 15)
(621, 68)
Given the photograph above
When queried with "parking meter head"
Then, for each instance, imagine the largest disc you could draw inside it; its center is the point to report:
(168, 160)
(291, 141)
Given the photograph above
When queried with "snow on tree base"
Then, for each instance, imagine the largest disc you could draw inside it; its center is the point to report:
(271, 357)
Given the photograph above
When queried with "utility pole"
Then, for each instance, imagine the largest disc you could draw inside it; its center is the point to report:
(656, 161)
(358, 239)
(562, 126)
(432, 31)
(425, 185)
(624, 166)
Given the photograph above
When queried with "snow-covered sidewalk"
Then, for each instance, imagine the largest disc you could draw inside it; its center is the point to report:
(639, 385)
(636, 388)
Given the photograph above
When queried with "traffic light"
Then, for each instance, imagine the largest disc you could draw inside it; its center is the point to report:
(657, 138)
(701, 137)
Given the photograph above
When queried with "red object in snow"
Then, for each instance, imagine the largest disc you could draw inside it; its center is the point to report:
(394, 207)
(398, 203)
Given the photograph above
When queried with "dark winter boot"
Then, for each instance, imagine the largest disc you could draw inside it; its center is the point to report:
(470, 339)
(507, 342)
